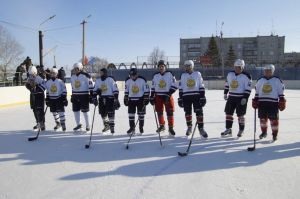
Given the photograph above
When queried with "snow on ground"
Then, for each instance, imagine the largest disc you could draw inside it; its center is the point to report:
(58, 166)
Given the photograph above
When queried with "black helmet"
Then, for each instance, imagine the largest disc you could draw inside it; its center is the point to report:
(161, 62)
(104, 70)
(133, 71)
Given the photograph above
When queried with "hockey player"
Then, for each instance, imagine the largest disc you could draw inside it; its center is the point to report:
(192, 93)
(36, 86)
(136, 97)
(163, 86)
(108, 92)
(82, 92)
(56, 99)
(269, 97)
(236, 92)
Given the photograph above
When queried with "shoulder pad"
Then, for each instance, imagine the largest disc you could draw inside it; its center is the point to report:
(86, 74)
(247, 74)
(142, 78)
(111, 77)
(127, 79)
(278, 78)
(167, 71)
(155, 74)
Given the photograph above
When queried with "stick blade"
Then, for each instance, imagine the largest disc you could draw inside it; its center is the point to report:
(127, 147)
(32, 139)
(251, 148)
(182, 154)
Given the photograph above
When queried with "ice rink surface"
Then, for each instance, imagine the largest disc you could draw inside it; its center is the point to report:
(58, 166)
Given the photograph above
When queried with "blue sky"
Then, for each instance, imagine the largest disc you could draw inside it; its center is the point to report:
(121, 30)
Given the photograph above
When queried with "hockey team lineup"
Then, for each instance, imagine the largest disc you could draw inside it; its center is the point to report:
(268, 100)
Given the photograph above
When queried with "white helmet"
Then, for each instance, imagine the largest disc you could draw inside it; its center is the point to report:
(239, 63)
(32, 70)
(189, 63)
(270, 67)
(54, 70)
(78, 65)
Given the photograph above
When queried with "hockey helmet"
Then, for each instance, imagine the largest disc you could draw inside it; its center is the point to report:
(189, 63)
(54, 71)
(161, 62)
(78, 65)
(270, 67)
(133, 72)
(32, 70)
(239, 63)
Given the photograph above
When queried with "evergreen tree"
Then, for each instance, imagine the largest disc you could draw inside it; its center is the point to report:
(213, 52)
(231, 57)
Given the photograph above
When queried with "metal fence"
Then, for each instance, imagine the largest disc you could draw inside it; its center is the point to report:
(285, 73)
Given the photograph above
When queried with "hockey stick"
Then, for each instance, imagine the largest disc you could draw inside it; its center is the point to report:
(157, 126)
(36, 137)
(88, 145)
(127, 146)
(188, 149)
(254, 140)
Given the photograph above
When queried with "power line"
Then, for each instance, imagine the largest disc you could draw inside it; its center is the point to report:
(18, 26)
(62, 28)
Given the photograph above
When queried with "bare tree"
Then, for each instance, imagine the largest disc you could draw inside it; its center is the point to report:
(155, 56)
(10, 52)
(96, 63)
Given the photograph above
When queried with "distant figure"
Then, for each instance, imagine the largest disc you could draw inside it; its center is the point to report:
(18, 75)
(62, 74)
(27, 62)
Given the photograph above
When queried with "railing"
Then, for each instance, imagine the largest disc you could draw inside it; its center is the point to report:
(12, 79)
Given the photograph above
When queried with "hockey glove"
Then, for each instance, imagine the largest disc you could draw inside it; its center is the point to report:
(180, 102)
(47, 100)
(255, 103)
(95, 101)
(152, 100)
(243, 101)
(126, 100)
(65, 100)
(145, 100)
(225, 97)
(282, 104)
(202, 101)
(116, 104)
(91, 99)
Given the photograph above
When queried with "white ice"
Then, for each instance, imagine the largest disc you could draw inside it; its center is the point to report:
(58, 166)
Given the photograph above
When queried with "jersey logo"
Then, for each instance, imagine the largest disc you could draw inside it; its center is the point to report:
(77, 84)
(234, 84)
(267, 88)
(53, 88)
(190, 83)
(135, 89)
(103, 88)
(162, 83)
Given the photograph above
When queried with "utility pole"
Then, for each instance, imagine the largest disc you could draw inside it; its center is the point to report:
(41, 41)
(221, 47)
(83, 37)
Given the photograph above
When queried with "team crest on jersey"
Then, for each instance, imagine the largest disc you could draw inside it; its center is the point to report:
(267, 88)
(77, 84)
(190, 83)
(103, 88)
(162, 84)
(53, 88)
(135, 89)
(234, 84)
